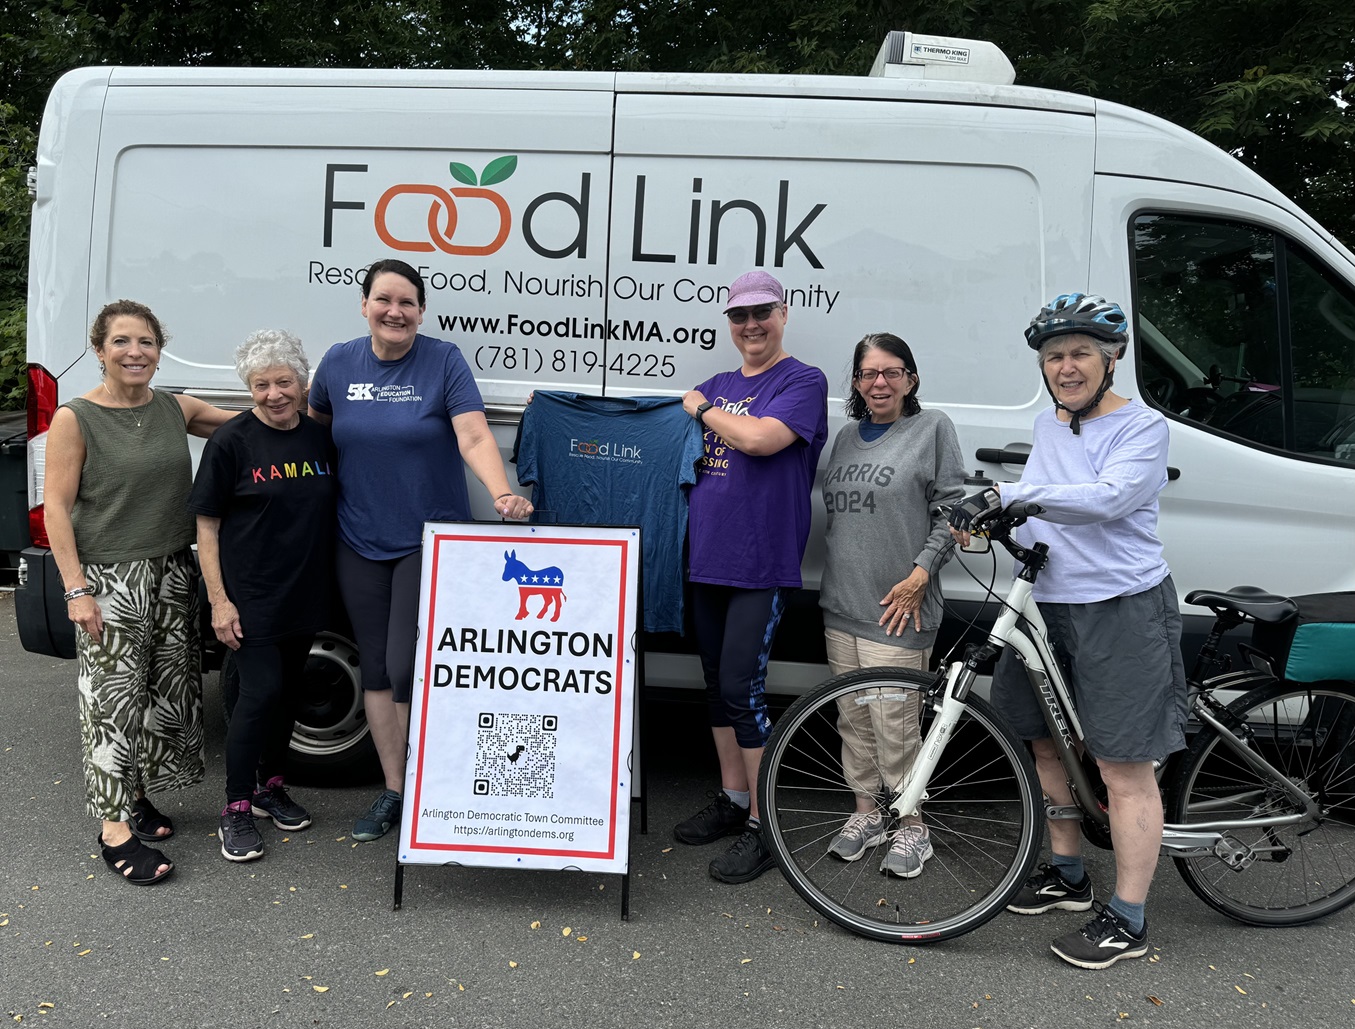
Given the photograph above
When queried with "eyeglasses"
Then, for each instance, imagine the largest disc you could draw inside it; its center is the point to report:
(739, 315)
(871, 374)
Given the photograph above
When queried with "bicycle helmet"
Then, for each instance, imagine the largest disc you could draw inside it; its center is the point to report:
(1084, 313)
(1079, 312)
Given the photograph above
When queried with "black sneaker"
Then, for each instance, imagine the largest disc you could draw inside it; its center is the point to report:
(721, 817)
(380, 817)
(747, 859)
(240, 839)
(272, 801)
(1047, 889)
(1101, 942)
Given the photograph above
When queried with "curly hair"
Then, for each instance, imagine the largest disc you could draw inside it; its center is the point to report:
(269, 348)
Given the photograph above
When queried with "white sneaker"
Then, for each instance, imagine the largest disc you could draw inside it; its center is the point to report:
(911, 847)
(862, 831)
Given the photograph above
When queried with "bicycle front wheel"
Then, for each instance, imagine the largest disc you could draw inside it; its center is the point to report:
(1287, 874)
(981, 808)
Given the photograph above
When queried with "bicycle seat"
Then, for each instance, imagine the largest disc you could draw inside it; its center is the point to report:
(1249, 600)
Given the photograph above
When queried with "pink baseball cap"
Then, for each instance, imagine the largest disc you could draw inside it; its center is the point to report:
(753, 288)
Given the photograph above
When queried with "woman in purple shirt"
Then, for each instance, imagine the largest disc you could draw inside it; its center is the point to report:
(765, 424)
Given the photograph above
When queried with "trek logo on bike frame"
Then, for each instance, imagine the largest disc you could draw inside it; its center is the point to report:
(1041, 683)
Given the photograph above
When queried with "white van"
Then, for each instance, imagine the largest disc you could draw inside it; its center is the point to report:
(577, 231)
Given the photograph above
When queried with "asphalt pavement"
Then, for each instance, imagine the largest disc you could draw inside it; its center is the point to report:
(307, 935)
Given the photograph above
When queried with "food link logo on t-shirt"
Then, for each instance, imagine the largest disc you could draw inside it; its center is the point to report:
(715, 458)
(289, 470)
(605, 450)
(383, 394)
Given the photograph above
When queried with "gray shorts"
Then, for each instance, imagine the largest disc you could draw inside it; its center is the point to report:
(1122, 660)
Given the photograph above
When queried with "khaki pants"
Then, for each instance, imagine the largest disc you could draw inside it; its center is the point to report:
(880, 740)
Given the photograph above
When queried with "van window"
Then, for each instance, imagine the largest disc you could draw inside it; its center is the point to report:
(1244, 333)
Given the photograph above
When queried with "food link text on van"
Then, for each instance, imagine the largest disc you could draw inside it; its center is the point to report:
(707, 221)
(719, 210)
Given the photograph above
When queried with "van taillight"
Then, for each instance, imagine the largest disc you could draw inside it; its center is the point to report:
(42, 403)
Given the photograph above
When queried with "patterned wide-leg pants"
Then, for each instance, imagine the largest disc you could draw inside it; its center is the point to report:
(140, 684)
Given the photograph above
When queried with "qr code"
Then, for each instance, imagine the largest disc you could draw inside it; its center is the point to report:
(515, 755)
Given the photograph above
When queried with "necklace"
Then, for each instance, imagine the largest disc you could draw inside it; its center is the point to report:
(130, 409)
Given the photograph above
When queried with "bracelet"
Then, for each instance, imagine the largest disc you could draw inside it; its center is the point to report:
(502, 495)
(79, 591)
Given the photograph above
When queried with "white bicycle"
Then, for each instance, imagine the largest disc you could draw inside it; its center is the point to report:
(1260, 807)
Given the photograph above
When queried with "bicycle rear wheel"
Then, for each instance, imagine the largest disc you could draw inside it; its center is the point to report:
(982, 809)
(1301, 871)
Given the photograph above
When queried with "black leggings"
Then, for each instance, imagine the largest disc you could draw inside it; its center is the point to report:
(264, 713)
(734, 632)
(382, 598)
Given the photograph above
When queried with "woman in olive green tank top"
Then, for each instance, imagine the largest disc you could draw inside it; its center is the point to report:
(117, 482)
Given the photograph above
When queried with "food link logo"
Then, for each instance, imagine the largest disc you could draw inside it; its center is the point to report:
(443, 216)
(707, 224)
(604, 449)
(495, 172)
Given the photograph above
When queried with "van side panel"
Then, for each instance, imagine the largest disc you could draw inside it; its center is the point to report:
(226, 221)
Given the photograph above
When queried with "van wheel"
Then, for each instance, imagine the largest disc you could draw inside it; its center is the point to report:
(331, 742)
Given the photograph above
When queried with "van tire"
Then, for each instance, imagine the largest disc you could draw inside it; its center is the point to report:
(331, 742)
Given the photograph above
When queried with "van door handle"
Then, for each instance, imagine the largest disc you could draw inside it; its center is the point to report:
(996, 456)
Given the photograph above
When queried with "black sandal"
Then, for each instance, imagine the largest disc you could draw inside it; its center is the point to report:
(146, 820)
(135, 862)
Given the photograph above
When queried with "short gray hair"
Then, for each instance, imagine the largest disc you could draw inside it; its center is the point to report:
(269, 348)
(1108, 350)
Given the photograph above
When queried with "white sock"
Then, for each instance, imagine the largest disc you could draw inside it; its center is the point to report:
(739, 797)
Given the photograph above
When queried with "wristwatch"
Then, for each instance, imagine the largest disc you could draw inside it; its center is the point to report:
(701, 410)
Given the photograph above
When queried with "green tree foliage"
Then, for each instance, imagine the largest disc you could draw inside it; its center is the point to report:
(1270, 81)
(16, 154)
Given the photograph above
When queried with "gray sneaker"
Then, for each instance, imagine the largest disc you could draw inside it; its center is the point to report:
(862, 831)
(911, 847)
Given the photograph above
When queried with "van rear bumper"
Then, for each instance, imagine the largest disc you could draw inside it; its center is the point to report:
(40, 609)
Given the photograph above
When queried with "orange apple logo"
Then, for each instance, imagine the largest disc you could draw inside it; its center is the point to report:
(441, 235)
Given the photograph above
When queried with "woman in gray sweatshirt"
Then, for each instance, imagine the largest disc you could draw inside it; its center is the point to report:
(881, 604)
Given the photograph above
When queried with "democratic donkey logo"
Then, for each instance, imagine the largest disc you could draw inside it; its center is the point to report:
(547, 583)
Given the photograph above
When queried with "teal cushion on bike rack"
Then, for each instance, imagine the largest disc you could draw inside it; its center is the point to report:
(1320, 651)
(1318, 644)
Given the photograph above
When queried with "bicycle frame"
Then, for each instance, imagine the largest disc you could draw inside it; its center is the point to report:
(1032, 645)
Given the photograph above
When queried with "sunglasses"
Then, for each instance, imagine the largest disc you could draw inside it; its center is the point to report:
(739, 315)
